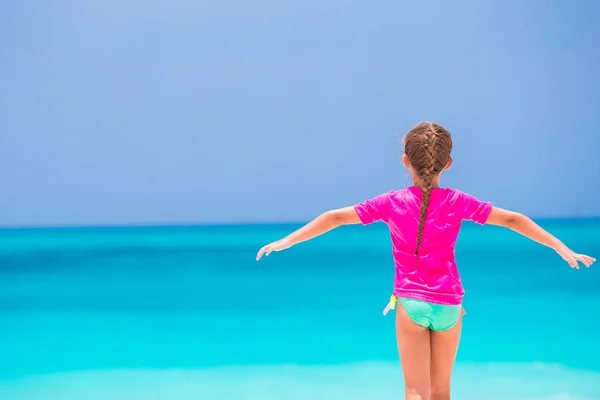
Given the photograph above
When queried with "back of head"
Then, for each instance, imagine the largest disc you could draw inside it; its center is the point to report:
(427, 146)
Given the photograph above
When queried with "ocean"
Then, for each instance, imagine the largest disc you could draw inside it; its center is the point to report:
(175, 313)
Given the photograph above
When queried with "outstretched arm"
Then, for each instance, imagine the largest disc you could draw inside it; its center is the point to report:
(526, 227)
(318, 226)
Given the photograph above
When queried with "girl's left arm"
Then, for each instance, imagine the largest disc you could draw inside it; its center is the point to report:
(318, 226)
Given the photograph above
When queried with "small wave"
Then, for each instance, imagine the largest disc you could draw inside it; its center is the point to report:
(374, 381)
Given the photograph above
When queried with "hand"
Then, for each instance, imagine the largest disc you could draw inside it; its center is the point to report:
(573, 259)
(275, 246)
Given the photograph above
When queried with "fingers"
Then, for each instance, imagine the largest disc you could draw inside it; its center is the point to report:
(583, 260)
(590, 259)
(262, 251)
(586, 260)
(266, 250)
(570, 259)
(575, 259)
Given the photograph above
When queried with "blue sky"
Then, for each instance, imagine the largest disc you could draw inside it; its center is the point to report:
(119, 112)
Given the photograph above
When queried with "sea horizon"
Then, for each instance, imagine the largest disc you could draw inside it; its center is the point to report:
(545, 219)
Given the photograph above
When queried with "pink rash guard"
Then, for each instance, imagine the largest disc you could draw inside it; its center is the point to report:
(435, 279)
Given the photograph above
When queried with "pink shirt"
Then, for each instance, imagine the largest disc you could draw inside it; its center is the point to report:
(435, 279)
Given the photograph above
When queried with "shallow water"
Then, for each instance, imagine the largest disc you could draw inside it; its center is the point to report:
(186, 312)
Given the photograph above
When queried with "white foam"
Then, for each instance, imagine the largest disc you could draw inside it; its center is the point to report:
(371, 381)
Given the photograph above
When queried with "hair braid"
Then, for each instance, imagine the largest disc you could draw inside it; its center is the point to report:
(431, 149)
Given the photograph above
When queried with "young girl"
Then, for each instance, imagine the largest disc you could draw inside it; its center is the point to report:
(424, 221)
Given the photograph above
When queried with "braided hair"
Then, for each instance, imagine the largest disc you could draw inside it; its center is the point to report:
(428, 147)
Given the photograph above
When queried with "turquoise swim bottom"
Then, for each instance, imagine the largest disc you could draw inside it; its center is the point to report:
(437, 317)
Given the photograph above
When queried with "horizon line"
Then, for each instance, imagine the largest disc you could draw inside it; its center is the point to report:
(221, 224)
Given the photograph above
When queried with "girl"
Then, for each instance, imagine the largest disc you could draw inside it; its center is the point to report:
(424, 221)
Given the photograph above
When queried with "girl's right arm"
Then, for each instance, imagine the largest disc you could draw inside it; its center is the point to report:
(526, 227)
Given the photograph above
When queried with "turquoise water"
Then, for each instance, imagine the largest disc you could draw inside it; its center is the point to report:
(186, 313)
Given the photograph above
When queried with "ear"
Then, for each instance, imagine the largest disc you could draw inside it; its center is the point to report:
(448, 164)
(405, 161)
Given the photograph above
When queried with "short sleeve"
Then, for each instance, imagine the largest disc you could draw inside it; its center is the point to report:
(375, 209)
(473, 209)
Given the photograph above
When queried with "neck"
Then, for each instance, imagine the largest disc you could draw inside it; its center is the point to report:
(435, 183)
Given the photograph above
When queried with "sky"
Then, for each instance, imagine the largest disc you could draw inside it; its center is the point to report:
(116, 112)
